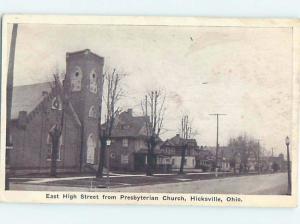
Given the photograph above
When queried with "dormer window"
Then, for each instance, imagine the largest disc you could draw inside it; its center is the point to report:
(125, 127)
(76, 78)
(93, 81)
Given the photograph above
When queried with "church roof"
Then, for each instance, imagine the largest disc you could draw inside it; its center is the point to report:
(27, 97)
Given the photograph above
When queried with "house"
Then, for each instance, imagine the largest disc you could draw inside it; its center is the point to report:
(205, 159)
(229, 159)
(128, 142)
(174, 147)
(129, 149)
(37, 108)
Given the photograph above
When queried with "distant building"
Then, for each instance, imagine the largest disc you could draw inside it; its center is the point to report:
(274, 163)
(205, 159)
(37, 108)
(227, 158)
(174, 147)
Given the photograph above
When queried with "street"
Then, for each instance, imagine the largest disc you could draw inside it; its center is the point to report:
(266, 184)
(259, 184)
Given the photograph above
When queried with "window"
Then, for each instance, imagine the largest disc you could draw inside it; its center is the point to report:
(113, 155)
(173, 161)
(124, 159)
(92, 112)
(49, 146)
(91, 147)
(56, 103)
(76, 78)
(125, 142)
(185, 161)
(93, 81)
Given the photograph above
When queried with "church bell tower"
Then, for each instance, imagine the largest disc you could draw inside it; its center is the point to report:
(83, 82)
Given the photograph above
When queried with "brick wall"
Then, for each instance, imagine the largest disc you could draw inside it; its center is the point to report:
(30, 148)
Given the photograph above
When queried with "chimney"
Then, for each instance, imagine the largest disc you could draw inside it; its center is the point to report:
(22, 120)
(44, 93)
(129, 111)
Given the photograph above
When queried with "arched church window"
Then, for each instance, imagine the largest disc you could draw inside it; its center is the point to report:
(93, 81)
(56, 103)
(91, 148)
(76, 78)
(50, 145)
(92, 112)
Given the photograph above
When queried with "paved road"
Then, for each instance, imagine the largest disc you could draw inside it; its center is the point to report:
(257, 184)
(267, 184)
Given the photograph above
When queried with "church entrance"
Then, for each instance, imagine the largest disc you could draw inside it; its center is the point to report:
(91, 147)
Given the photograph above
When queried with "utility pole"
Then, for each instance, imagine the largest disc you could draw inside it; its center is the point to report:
(9, 89)
(258, 156)
(217, 144)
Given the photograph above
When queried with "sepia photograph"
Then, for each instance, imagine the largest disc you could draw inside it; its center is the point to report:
(149, 107)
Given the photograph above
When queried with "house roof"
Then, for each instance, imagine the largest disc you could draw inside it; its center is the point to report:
(224, 151)
(178, 141)
(127, 125)
(205, 154)
(27, 97)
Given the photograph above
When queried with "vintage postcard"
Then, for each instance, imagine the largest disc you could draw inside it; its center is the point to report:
(150, 110)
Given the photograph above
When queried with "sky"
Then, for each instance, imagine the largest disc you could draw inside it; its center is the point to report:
(245, 73)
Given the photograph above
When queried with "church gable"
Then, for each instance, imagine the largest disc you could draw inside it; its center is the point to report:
(40, 101)
(31, 140)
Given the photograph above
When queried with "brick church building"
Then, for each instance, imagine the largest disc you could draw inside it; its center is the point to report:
(37, 108)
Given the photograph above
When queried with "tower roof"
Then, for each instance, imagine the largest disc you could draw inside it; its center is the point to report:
(83, 52)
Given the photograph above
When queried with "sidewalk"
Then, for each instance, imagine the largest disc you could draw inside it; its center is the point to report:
(252, 185)
(115, 180)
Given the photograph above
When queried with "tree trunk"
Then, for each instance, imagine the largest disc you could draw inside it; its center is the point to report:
(150, 162)
(234, 167)
(101, 158)
(55, 145)
(182, 159)
(148, 168)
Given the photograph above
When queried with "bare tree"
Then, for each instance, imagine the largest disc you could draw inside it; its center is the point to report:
(153, 108)
(56, 131)
(112, 93)
(185, 134)
(246, 147)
